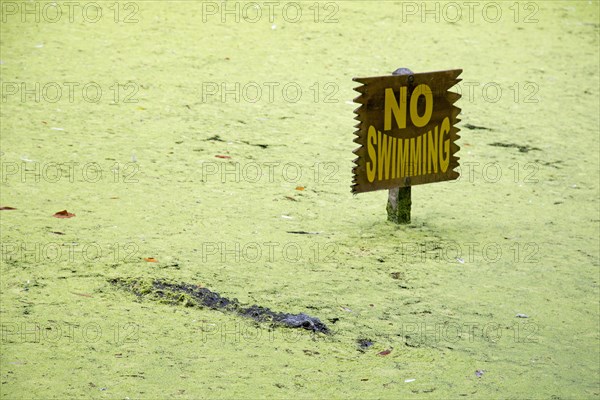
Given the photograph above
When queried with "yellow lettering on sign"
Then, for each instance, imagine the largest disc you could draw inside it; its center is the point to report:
(421, 120)
(384, 151)
(445, 156)
(433, 154)
(415, 156)
(424, 155)
(371, 140)
(402, 159)
(392, 158)
(395, 141)
(391, 106)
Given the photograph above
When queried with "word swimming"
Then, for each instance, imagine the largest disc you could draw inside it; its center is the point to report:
(392, 157)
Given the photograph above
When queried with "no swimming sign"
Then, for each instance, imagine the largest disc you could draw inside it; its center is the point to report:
(406, 130)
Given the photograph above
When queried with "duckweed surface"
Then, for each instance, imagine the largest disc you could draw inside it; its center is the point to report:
(194, 146)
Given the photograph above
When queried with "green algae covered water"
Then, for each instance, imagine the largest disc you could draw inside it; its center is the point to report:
(211, 144)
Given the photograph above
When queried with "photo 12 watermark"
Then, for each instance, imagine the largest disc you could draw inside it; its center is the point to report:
(269, 92)
(493, 92)
(494, 172)
(31, 171)
(69, 92)
(472, 91)
(470, 12)
(273, 12)
(68, 333)
(270, 251)
(269, 172)
(470, 252)
(450, 332)
(247, 332)
(68, 252)
(86, 12)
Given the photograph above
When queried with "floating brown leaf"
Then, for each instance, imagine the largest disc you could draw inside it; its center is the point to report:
(63, 214)
(384, 353)
(7, 208)
(151, 259)
(299, 187)
(221, 156)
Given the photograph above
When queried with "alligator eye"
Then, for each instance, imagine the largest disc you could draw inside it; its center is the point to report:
(307, 324)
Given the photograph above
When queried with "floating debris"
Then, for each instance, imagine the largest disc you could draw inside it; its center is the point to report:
(475, 127)
(522, 148)
(396, 275)
(364, 344)
(261, 145)
(63, 214)
(522, 316)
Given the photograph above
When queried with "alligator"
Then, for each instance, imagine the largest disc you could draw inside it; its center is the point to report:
(194, 295)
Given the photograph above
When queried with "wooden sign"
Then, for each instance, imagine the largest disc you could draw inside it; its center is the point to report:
(406, 130)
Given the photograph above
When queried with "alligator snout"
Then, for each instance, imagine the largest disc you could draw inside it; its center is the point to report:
(304, 321)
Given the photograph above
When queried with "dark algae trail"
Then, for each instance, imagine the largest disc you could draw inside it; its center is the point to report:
(194, 295)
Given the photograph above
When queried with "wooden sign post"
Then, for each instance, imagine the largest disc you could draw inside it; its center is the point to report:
(399, 198)
(407, 135)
